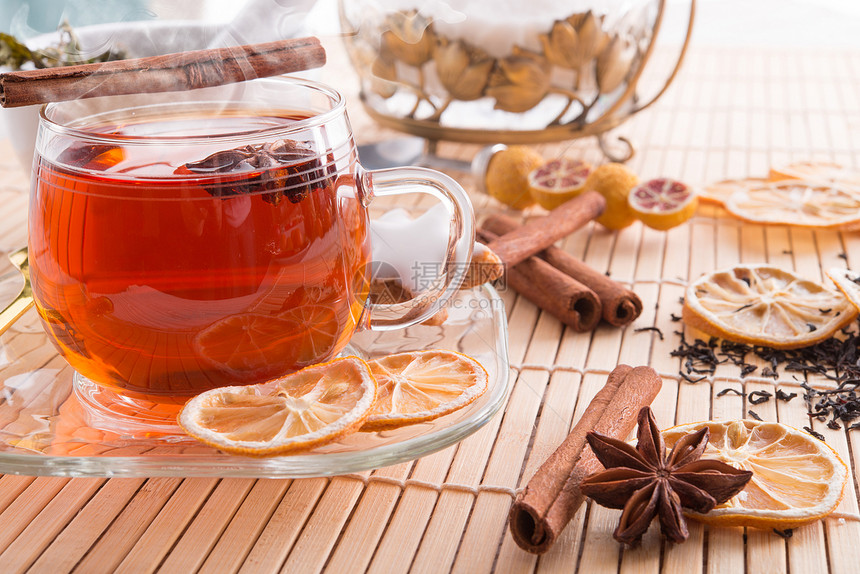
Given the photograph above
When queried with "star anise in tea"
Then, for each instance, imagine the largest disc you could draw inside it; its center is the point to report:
(646, 482)
(283, 168)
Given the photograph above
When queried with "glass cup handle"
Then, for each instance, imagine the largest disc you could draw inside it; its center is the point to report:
(461, 240)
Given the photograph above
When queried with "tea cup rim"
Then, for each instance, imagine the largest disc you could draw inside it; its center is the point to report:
(338, 108)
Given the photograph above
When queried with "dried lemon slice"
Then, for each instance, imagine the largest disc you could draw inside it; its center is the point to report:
(419, 386)
(797, 478)
(295, 413)
(720, 191)
(816, 171)
(848, 282)
(764, 305)
(558, 181)
(663, 203)
(796, 202)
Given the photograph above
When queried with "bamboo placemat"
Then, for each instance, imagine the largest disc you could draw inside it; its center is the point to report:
(731, 113)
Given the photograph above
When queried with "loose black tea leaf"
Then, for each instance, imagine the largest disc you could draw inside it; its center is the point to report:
(754, 415)
(768, 372)
(787, 533)
(817, 435)
(655, 329)
(836, 359)
(747, 369)
(758, 397)
(840, 404)
(728, 390)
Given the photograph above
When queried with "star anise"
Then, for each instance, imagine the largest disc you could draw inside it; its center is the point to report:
(280, 168)
(645, 482)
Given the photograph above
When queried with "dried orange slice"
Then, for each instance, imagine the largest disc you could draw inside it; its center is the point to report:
(558, 181)
(720, 191)
(797, 479)
(295, 413)
(254, 347)
(420, 386)
(317, 332)
(823, 171)
(663, 203)
(796, 202)
(763, 305)
(246, 346)
(848, 282)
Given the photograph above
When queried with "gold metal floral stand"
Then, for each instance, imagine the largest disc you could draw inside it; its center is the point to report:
(405, 57)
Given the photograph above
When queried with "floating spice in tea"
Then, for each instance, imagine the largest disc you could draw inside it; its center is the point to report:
(283, 168)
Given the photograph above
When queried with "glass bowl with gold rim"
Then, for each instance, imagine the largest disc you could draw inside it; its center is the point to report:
(511, 71)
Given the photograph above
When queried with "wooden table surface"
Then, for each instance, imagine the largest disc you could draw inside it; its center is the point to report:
(731, 113)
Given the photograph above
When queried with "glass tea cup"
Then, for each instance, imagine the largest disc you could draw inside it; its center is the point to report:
(213, 238)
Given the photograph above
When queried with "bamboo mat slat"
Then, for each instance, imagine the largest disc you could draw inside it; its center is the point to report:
(731, 113)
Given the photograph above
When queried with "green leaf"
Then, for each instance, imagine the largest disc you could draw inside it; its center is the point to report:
(14, 54)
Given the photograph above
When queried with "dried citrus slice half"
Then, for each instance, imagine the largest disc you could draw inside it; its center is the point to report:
(796, 202)
(419, 386)
(720, 191)
(816, 171)
(848, 282)
(558, 181)
(764, 305)
(295, 413)
(797, 479)
(663, 203)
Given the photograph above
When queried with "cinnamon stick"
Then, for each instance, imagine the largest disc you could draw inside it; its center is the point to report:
(551, 498)
(540, 233)
(570, 301)
(620, 305)
(167, 73)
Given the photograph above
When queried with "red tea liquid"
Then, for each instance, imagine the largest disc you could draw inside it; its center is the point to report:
(152, 284)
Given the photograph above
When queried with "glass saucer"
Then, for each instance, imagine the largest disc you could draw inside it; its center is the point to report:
(47, 426)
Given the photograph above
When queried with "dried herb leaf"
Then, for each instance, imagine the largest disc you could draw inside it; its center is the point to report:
(67, 51)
